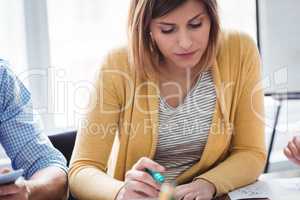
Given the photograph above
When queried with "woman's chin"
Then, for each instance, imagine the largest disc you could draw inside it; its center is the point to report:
(187, 65)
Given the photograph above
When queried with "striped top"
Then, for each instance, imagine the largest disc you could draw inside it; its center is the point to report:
(183, 131)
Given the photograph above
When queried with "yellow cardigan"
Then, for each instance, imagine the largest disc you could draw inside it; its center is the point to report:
(124, 106)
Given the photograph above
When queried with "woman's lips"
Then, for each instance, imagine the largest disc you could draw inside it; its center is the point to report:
(185, 55)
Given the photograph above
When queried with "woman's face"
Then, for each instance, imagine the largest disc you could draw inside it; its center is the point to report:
(182, 35)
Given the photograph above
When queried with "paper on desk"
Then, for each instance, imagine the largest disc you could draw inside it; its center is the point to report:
(274, 189)
(291, 184)
(257, 190)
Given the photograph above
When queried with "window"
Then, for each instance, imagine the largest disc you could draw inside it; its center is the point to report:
(239, 15)
(81, 33)
(12, 34)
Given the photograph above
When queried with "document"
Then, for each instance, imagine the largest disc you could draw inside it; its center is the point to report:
(259, 189)
(274, 189)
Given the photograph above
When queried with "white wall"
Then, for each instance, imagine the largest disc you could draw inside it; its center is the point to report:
(280, 44)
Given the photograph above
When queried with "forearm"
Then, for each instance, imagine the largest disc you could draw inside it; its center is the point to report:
(240, 168)
(97, 184)
(48, 184)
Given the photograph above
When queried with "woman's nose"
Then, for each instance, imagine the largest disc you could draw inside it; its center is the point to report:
(185, 41)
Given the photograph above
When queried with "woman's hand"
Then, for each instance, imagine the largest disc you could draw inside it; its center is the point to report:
(138, 183)
(197, 190)
(292, 151)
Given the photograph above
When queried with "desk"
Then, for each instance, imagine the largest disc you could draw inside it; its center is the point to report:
(282, 174)
(268, 176)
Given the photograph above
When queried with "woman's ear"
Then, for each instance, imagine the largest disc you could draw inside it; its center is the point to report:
(153, 44)
(152, 38)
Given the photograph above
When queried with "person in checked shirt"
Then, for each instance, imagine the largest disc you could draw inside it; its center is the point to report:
(45, 171)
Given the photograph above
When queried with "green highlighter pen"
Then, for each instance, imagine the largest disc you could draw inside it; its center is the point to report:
(156, 176)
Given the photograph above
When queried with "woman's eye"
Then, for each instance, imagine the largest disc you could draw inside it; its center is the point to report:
(166, 31)
(196, 25)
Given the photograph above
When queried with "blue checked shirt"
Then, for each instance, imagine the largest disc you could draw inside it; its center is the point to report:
(25, 144)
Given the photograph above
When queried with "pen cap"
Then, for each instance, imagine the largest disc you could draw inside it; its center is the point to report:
(156, 176)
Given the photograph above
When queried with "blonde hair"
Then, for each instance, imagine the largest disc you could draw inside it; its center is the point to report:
(144, 56)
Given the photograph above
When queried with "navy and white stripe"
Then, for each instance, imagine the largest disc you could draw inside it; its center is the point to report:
(183, 131)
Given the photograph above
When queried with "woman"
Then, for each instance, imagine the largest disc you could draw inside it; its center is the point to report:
(183, 99)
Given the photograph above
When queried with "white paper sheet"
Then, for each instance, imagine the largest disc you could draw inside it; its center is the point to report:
(274, 189)
(259, 189)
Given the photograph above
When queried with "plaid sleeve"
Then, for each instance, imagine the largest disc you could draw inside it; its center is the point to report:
(20, 133)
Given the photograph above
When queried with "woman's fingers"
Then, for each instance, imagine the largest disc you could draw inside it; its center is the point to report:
(142, 188)
(201, 198)
(287, 153)
(296, 143)
(290, 156)
(189, 197)
(293, 149)
(181, 191)
(138, 181)
(197, 196)
(132, 195)
(145, 162)
(188, 194)
(143, 177)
